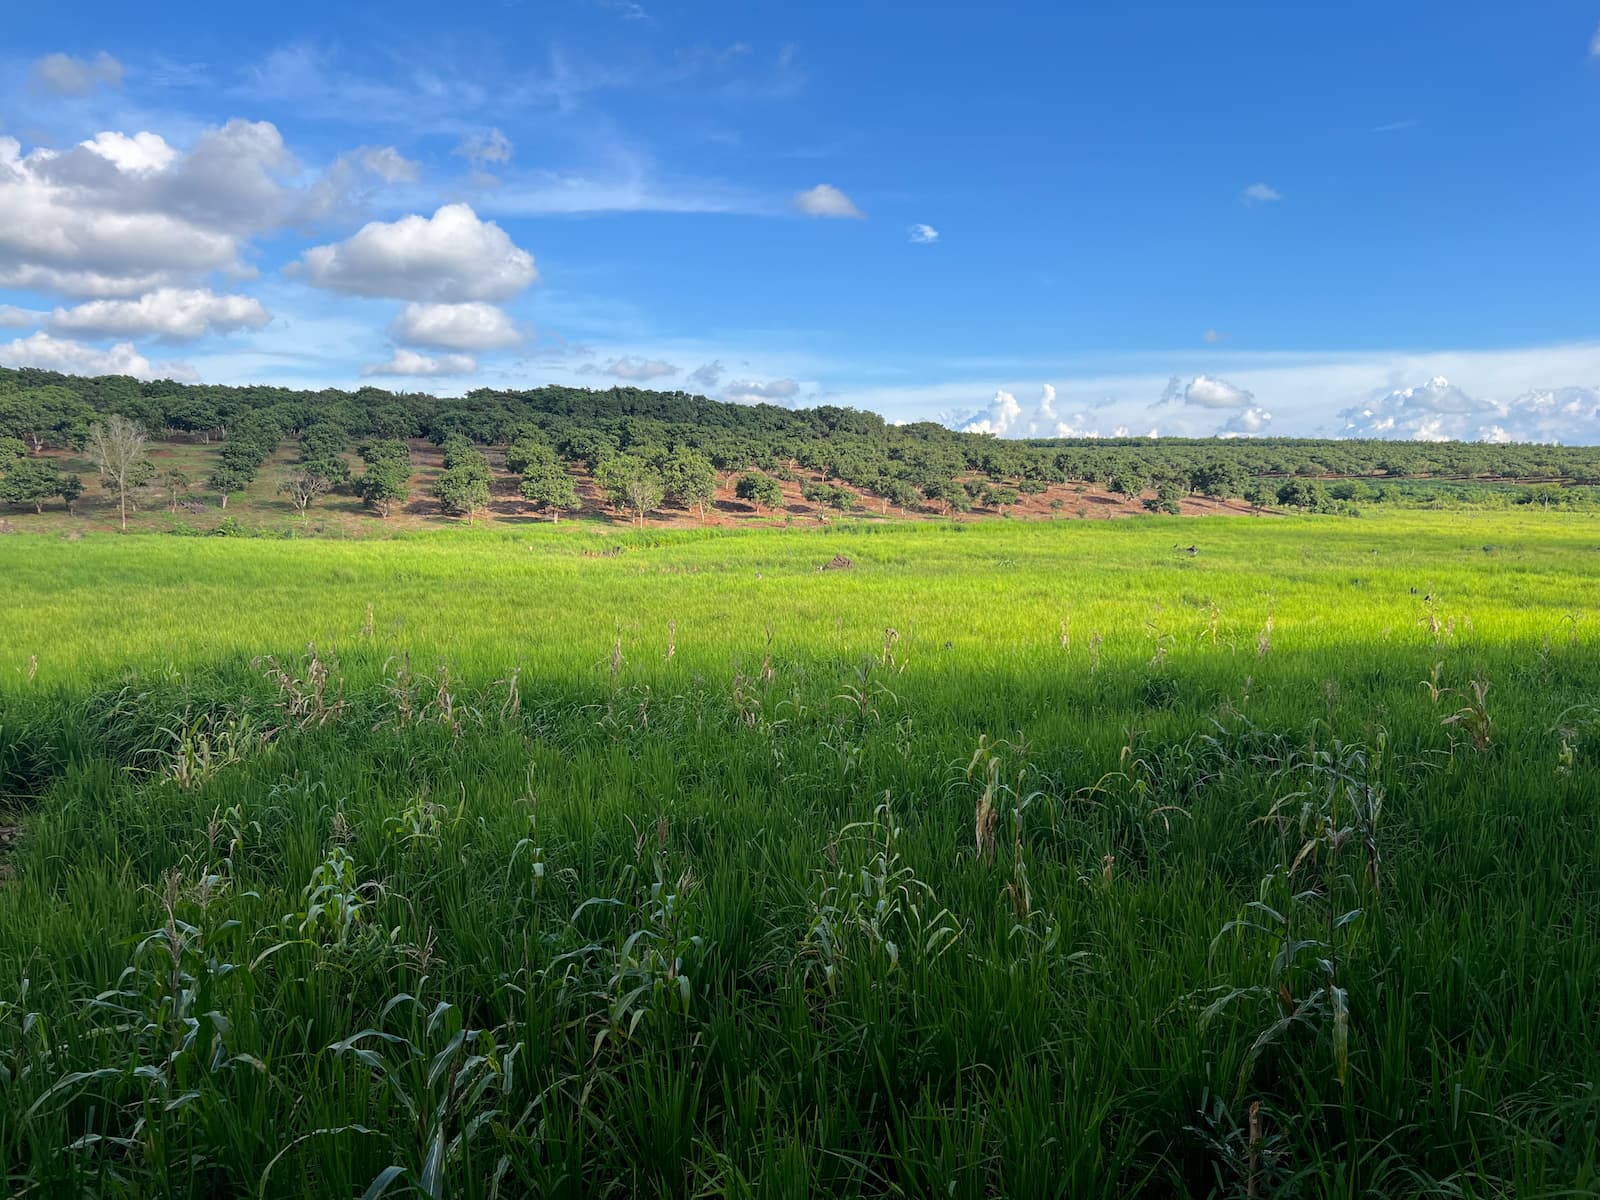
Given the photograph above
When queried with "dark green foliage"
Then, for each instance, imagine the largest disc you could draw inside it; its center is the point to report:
(526, 451)
(900, 493)
(1168, 499)
(1219, 479)
(29, 482)
(463, 488)
(1305, 494)
(999, 498)
(50, 414)
(758, 489)
(857, 449)
(1129, 484)
(230, 478)
(387, 478)
(549, 486)
(630, 484)
(689, 480)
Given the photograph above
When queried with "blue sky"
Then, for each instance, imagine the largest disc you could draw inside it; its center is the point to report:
(1249, 218)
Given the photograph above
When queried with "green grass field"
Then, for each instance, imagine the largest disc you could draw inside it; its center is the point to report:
(1018, 859)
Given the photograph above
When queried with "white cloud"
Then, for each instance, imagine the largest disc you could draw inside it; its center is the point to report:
(1212, 337)
(1439, 411)
(140, 154)
(1304, 391)
(922, 235)
(121, 214)
(387, 163)
(1594, 45)
(77, 222)
(74, 358)
(1203, 391)
(1249, 422)
(752, 391)
(706, 375)
(450, 257)
(1259, 193)
(409, 362)
(638, 370)
(470, 326)
(825, 200)
(353, 177)
(12, 317)
(175, 314)
(1002, 414)
(1005, 418)
(485, 147)
(64, 75)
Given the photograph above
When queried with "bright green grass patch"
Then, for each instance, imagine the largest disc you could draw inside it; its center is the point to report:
(1019, 860)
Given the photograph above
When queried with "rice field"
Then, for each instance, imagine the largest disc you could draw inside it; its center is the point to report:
(1224, 856)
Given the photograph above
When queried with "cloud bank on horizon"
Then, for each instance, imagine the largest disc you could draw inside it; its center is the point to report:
(739, 210)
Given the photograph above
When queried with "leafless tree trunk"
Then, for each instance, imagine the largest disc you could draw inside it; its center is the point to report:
(116, 446)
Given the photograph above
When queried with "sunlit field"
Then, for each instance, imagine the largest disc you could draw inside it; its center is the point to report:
(1230, 856)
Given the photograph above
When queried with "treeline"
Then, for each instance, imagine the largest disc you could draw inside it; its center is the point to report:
(643, 447)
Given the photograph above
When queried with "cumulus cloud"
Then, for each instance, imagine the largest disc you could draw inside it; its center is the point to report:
(485, 147)
(121, 214)
(1439, 411)
(707, 375)
(12, 317)
(922, 235)
(825, 200)
(1259, 193)
(74, 358)
(638, 370)
(751, 391)
(63, 75)
(174, 314)
(141, 154)
(449, 258)
(1248, 422)
(1005, 417)
(409, 362)
(999, 418)
(1205, 391)
(470, 326)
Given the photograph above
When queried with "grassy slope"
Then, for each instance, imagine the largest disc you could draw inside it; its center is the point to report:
(1055, 1046)
(261, 506)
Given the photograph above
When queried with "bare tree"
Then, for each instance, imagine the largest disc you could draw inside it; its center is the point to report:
(304, 486)
(116, 446)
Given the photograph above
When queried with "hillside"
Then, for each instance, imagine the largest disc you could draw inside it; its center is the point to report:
(218, 452)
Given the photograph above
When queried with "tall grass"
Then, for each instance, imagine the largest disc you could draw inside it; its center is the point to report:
(1016, 860)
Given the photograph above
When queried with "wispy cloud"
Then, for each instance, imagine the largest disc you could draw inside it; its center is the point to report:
(1259, 193)
(1397, 126)
(630, 188)
(410, 363)
(63, 75)
(922, 235)
(638, 370)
